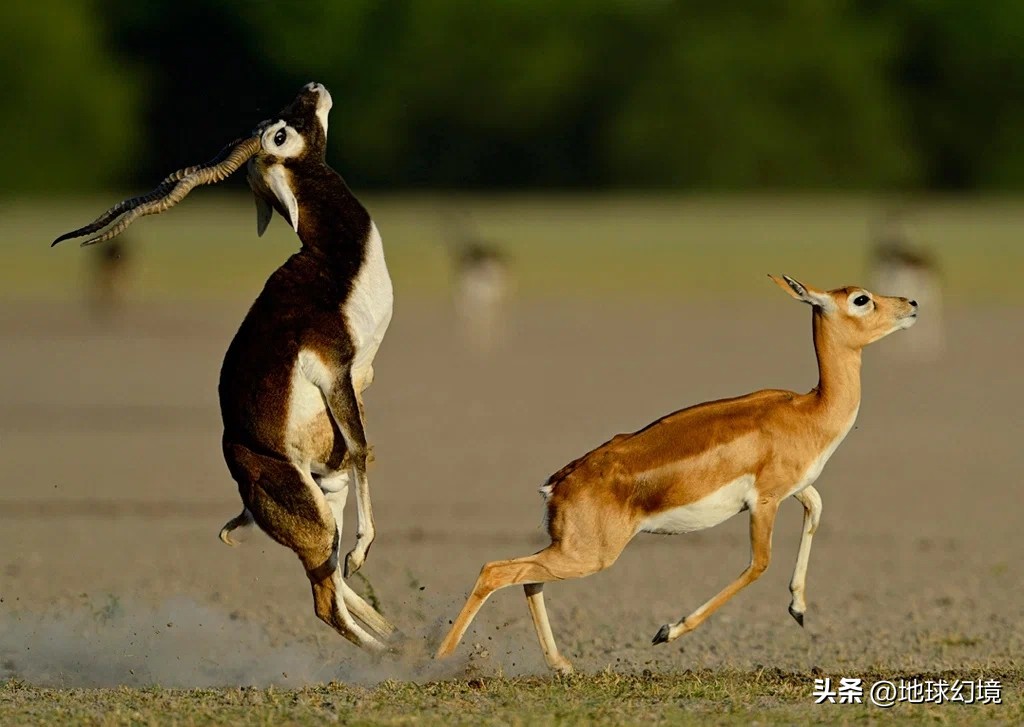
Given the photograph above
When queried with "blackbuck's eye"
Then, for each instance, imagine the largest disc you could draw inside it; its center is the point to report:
(861, 300)
(280, 136)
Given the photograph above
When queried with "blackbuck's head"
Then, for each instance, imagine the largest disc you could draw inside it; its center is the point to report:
(854, 317)
(293, 139)
(277, 149)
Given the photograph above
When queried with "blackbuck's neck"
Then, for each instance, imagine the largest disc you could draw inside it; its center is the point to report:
(838, 387)
(332, 222)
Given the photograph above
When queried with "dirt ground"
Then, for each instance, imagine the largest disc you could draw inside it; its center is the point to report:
(112, 491)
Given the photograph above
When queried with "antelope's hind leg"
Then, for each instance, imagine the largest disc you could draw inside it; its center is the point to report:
(539, 614)
(289, 506)
(550, 564)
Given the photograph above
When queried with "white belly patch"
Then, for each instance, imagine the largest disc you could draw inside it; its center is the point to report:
(368, 308)
(707, 512)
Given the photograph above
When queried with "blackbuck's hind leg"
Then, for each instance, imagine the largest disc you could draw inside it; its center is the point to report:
(346, 411)
(811, 501)
(535, 600)
(289, 506)
(762, 520)
(335, 489)
(367, 613)
(550, 564)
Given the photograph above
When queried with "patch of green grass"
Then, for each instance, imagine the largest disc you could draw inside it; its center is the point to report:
(561, 246)
(766, 697)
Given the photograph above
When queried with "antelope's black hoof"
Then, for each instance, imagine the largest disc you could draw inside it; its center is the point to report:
(662, 636)
(797, 615)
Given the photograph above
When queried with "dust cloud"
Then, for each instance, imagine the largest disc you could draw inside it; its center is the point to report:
(185, 644)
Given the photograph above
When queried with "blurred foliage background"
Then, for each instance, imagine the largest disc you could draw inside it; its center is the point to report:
(629, 147)
(577, 94)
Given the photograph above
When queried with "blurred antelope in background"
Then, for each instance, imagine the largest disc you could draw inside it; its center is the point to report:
(481, 285)
(109, 273)
(898, 262)
(293, 378)
(695, 468)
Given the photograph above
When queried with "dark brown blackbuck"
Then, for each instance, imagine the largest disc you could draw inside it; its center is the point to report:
(292, 381)
(695, 468)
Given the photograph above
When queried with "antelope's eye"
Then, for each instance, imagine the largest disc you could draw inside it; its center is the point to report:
(280, 136)
(861, 300)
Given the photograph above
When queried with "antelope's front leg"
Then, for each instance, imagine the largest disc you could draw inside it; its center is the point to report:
(762, 520)
(346, 410)
(811, 501)
(365, 532)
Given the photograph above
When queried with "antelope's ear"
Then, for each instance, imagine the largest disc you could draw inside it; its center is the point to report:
(277, 177)
(263, 214)
(794, 287)
(801, 292)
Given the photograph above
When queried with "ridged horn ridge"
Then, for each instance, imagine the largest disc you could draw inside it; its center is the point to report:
(169, 192)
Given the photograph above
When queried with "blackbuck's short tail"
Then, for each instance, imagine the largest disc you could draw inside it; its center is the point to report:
(242, 520)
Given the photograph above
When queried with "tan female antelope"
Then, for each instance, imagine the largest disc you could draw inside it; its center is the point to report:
(292, 381)
(700, 466)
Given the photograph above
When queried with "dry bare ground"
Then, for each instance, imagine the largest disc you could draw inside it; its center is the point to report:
(112, 491)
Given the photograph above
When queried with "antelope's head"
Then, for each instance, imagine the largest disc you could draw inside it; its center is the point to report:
(854, 316)
(293, 139)
(276, 149)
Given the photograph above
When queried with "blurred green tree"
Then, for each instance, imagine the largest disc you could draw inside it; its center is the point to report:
(70, 107)
(787, 93)
(207, 79)
(781, 93)
(453, 93)
(959, 66)
(688, 94)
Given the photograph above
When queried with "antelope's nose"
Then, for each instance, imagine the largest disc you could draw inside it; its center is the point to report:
(913, 303)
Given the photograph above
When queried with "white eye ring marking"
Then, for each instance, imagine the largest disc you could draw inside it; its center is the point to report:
(290, 145)
(864, 307)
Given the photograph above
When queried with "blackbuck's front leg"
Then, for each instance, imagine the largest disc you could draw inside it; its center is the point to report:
(335, 489)
(762, 520)
(811, 501)
(344, 406)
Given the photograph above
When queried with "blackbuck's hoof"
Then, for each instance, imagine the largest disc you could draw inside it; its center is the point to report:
(563, 666)
(662, 636)
(798, 615)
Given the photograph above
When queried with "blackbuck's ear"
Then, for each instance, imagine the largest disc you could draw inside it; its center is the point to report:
(264, 212)
(277, 179)
(805, 293)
